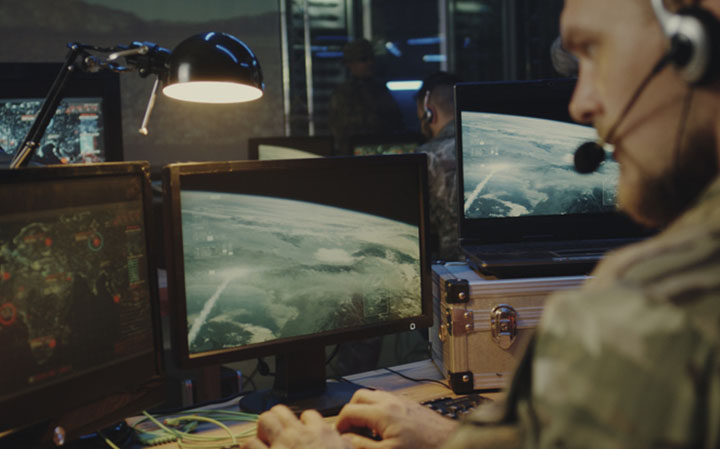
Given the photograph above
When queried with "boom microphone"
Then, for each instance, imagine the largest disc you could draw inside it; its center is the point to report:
(590, 155)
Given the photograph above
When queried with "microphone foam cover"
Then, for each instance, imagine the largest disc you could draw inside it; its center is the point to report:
(588, 157)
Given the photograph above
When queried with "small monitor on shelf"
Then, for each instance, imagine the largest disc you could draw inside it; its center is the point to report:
(299, 147)
(284, 258)
(78, 316)
(86, 127)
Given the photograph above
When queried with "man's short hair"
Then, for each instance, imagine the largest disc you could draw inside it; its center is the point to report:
(440, 85)
(563, 61)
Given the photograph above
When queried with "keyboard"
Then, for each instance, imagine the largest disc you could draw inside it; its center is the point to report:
(456, 407)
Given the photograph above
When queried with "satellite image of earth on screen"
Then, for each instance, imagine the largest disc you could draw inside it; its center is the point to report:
(260, 268)
(518, 166)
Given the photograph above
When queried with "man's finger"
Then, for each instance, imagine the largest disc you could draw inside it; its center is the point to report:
(359, 416)
(360, 442)
(365, 396)
(254, 443)
(271, 423)
(311, 417)
(284, 415)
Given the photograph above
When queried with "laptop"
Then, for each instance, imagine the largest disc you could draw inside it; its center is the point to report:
(524, 211)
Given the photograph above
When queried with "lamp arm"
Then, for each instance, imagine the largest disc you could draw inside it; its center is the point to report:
(150, 106)
(47, 111)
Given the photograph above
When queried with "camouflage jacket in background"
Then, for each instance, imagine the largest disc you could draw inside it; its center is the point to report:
(360, 107)
(631, 360)
(443, 191)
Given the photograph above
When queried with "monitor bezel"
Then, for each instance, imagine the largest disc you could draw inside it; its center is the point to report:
(319, 145)
(34, 80)
(100, 397)
(545, 99)
(172, 184)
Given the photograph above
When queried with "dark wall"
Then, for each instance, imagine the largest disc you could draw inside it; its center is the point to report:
(38, 31)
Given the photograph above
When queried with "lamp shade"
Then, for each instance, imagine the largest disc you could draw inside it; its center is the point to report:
(213, 68)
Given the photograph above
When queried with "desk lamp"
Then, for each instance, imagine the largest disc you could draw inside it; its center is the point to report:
(207, 68)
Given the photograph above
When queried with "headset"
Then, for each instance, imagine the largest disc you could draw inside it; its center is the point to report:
(693, 36)
(427, 112)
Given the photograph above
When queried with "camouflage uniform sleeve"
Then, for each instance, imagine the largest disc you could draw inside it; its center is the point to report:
(475, 436)
(442, 181)
(618, 369)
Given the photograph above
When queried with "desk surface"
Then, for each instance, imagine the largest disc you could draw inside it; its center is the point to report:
(380, 379)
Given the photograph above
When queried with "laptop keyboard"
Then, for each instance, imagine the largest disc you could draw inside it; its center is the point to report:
(582, 249)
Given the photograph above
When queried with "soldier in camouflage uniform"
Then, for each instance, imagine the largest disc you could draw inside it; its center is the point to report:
(632, 359)
(361, 105)
(435, 109)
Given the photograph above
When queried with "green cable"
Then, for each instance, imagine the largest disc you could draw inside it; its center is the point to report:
(161, 425)
(186, 439)
(107, 440)
(155, 437)
(171, 422)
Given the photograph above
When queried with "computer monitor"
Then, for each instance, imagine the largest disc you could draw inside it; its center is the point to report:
(78, 315)
(372, 145)
(86, 127)
(299, 147)
(282, 258)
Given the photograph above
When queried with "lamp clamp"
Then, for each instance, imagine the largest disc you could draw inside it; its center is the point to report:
(146, 57)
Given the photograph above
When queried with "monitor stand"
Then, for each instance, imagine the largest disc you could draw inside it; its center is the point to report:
(300, 384)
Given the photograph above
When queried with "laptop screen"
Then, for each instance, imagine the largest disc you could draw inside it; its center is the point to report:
(517, 166)
(515, 144)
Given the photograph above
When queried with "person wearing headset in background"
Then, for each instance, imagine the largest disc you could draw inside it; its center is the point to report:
(632, 359)
(362, 105)
(436, 113)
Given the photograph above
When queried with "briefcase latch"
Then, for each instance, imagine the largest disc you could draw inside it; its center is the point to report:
(503, 325)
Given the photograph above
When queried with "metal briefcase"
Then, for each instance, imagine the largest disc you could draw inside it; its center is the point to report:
(482, 325)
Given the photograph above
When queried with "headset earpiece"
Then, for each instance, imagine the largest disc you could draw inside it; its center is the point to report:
(694, 41)
(707, 57)
(427, 112)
